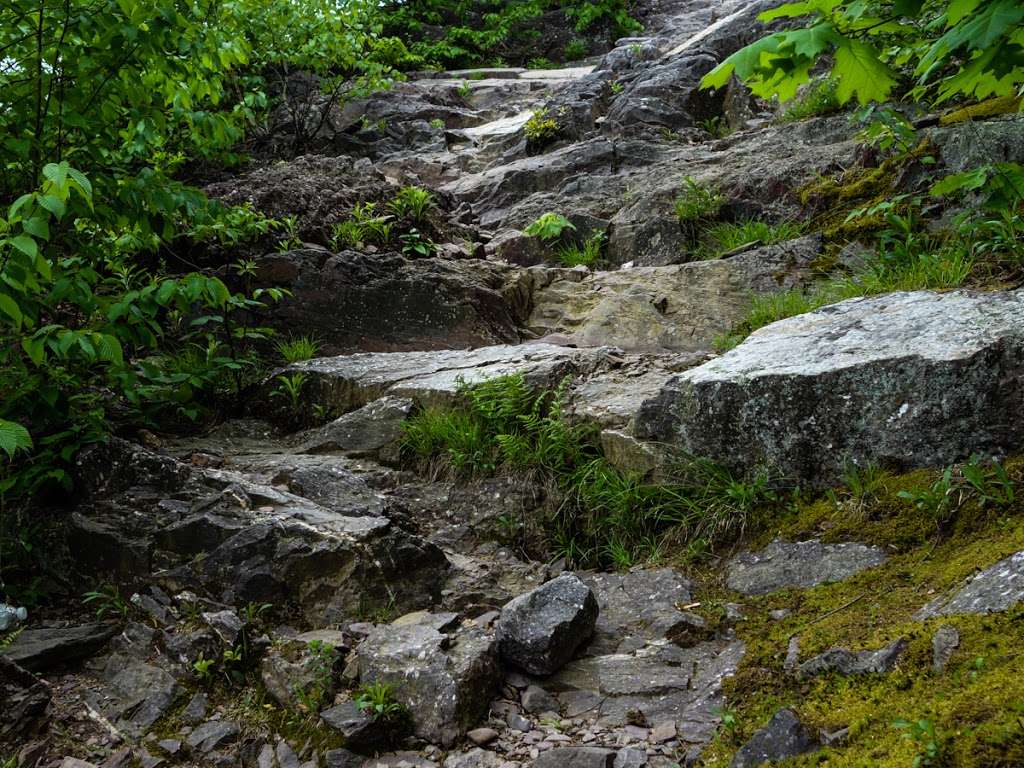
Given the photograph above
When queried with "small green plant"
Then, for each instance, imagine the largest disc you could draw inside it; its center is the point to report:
(416, 245)
(541, 128)
(364, 226)
(588, 254)
(540, 62)
(322, 659)
(107, 600)
(437, 124)
(252, 613)
(576, 49)
(931, 750)
(298, 348)
(7, 639)
(289, 226)
(413, 202)
(617, 87)
(988, 481)
(697, 202)
(203, 668)
(289, 387)
(864, 483)
(549, 226)
(730, 724)
(464, 90)
(378, 701)
(716, 126)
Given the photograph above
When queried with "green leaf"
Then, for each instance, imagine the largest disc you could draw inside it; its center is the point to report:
(961, 182)
(958, 9)
(14, 438)
(25, 244)
(10, 308)
(804, 8)
(859, 72)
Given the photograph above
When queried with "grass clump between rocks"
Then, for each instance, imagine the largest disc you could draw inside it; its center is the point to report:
(596, 514)
(725, 237)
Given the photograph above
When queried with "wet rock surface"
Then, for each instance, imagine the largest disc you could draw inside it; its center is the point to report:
(782, 564)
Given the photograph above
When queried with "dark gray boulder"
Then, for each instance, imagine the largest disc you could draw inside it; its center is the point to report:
(997, 588)
(784, 736)
(540, 631)
(801, 564)
(904, 379)
(667, 95)
(42, 649)
(361, 731)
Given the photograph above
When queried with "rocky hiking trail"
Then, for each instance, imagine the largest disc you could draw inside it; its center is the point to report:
(329, 562)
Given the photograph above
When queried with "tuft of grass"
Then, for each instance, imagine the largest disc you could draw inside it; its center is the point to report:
(298, 348)
(728, 236)
(587, 254)
(413, 202)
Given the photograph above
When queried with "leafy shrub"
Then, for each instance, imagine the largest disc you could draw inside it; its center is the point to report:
(363, 227)
(697, 202)
(950, 49)
(576, 50)
(549, 226)
(416, 245)
(541, 128)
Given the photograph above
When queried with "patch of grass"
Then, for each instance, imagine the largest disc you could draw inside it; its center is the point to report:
(598, 515)
(576, 49)
(697, 202)
(412, 202)
(298, 348)
(587, 254)
(542, 128)
(724, 237)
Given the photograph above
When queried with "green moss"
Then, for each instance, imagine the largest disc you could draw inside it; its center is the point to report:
(1001, 105)
(975, 705)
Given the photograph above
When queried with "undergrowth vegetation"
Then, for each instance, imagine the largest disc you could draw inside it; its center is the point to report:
(724, 237)
(597, 515)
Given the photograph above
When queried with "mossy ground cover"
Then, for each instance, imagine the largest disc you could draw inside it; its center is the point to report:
(976, 705)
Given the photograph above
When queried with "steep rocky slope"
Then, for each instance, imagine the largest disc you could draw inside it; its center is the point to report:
(269, 573)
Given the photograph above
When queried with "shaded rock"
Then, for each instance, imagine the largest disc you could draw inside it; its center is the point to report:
(358, 302)
(855, 663)
(41, 649)
(784, 736)
(342, 758)
(904, 379)
(195, 711)
(576, 757)
(680, 308)
(362, 733)
(539, 631)
(945, 641)
(26, 700)
(135, 696)
(293, 668)
(474, 758)
(482, 736)
(536, 700)
(801, 564)
(373, 430)
(630, 757)
(445, 682)
(997, 588)
(667, 95)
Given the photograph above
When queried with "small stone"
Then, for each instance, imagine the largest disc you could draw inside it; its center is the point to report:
(945, 641)
(835, 738)
(213, 734)
(343, 758)
(779, 614)
(630, 757)
(792, 661)
(482, 736)
(195, 711)
(784, 736)
(576, 757)
(734, 612)
(170, 746)
(664, 731)
(860, 663)
(635, 732)
(519, 723)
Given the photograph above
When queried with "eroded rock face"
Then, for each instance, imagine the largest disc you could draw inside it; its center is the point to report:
(905, 379)
(540, 631)
(385, 302)
(997, 588)
(252, 541)
(677, 308)
(802, 564)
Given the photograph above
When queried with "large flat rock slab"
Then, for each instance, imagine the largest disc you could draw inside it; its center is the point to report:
(680, 307)
(904, 380)
(801, 564)
(433, 378)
